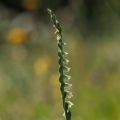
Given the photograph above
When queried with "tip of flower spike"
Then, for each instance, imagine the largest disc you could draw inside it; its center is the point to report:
(49, 10)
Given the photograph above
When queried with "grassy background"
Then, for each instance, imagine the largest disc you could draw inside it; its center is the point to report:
(29, 87)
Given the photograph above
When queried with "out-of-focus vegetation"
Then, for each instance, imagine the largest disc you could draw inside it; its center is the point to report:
(29, 87)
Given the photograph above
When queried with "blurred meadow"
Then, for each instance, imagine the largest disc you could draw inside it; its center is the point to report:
(29, 87)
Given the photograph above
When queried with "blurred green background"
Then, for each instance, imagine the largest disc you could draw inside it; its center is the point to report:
(29, 87)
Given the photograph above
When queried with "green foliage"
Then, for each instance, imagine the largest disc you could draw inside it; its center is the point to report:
(62, 61)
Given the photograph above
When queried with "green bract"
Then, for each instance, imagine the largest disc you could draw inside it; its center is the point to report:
(63, 79)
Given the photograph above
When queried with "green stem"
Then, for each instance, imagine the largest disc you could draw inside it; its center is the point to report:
(64, 86)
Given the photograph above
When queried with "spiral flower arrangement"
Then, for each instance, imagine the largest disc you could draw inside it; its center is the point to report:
(63, 79)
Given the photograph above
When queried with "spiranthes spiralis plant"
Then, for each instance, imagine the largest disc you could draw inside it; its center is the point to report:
(63, 79)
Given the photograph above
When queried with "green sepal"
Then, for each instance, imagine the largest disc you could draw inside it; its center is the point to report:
(61, 79)
(54, 23)
(60, 30)
(64, 96)
(62, 88)
(69, 115)
(53, 19)
(66, 107)
(60, 47)
(57, 24)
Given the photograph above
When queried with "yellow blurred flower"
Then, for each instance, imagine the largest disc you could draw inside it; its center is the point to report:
(54, 80)
(55, 85)
(41, 65)
(16, 35)
(30, 4)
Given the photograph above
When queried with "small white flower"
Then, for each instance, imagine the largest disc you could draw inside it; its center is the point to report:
(70, 104)
(68, 86)
(64, 114)
(58, 37)
(69, 94)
